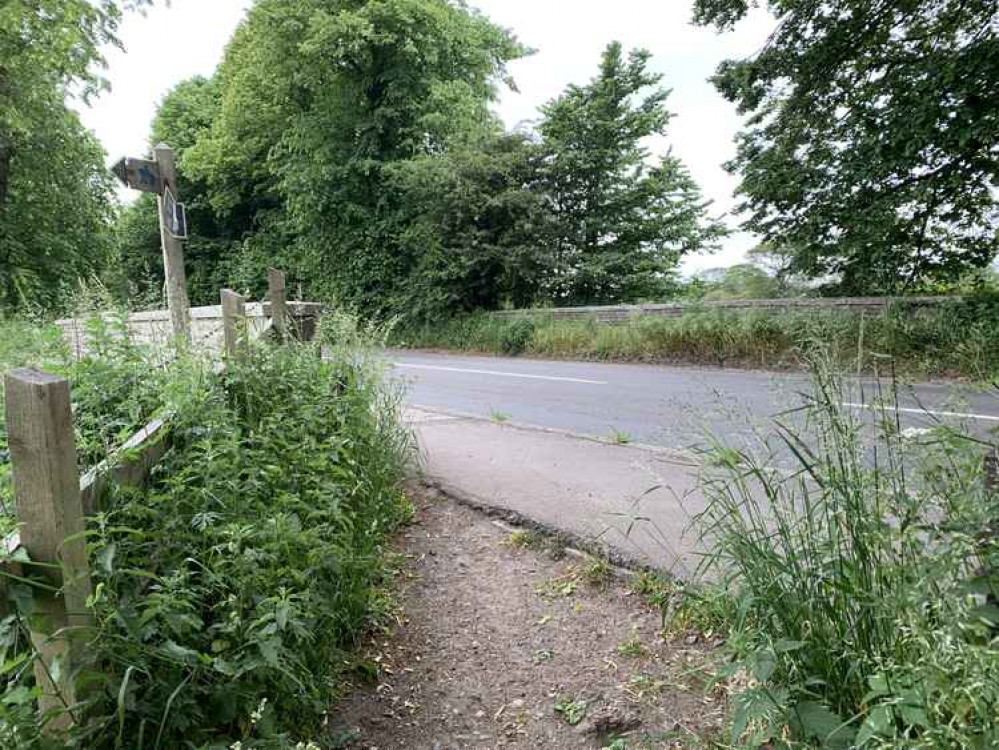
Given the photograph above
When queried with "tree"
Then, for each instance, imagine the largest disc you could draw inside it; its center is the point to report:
(624, 219)
(319, 100)
(871, 141)
(478, 223)
(55, 194)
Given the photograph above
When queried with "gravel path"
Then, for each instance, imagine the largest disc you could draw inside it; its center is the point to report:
(494, 636)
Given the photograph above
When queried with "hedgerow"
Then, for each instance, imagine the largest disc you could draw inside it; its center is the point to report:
(229, 591)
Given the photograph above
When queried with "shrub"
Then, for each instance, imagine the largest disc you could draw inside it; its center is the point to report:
(517, 335)
(229, 592)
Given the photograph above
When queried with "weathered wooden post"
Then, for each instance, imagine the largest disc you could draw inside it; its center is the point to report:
(47, 493)
(279, 302)
(160, 177)
(171, 234)
(234, 324)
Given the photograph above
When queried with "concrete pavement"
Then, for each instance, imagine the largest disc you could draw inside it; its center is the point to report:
(634, 500)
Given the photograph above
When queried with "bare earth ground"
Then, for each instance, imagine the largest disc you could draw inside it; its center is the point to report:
(491, 637)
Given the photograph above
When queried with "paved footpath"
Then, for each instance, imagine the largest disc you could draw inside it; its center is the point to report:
(636, 500)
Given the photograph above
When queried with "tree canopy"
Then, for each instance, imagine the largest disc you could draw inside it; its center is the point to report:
(623, 218)
(871, 139)
(55, 194)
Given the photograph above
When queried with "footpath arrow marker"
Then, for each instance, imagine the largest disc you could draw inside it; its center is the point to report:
(139, 174)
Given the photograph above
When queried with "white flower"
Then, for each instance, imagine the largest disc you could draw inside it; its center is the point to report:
(259, 713)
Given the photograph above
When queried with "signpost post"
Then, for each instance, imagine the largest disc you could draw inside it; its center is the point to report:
(160, 177)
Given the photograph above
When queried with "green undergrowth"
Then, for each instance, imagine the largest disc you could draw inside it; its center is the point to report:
(960, 338)
(229, 592)
(856, 571)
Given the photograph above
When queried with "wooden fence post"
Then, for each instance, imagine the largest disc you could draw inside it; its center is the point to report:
(234, 323)
(279, 302)
(173, 251)
(47, 492)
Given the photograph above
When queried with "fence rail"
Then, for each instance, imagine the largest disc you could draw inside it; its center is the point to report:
(53, 501)
(617, 314)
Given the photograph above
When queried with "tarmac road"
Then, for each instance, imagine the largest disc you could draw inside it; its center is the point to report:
(670, 406)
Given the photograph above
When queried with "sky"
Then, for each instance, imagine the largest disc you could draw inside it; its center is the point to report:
(168, 44)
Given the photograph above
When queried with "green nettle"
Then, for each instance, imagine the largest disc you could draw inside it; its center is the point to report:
(622, 220)
(871, 141)
(229, 592)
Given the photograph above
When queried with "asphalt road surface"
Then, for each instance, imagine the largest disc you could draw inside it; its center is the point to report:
(671, 406)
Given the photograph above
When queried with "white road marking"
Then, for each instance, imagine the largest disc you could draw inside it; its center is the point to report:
(502, 374)
(959, 414)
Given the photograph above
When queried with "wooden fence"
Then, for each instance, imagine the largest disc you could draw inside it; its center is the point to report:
(48, 551)
(619, 314)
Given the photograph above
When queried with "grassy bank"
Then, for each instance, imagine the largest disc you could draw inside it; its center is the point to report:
(228, 593)
(960, 338)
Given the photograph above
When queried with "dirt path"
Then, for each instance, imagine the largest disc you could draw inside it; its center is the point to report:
(493, 636)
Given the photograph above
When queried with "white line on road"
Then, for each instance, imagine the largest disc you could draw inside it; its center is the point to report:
(502, 374)
(959, 414)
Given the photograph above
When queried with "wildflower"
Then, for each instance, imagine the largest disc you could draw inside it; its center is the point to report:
(259, 713)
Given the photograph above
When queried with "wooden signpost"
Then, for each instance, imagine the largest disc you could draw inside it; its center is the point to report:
(159, 176)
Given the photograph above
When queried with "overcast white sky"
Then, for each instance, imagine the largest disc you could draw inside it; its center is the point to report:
(168, 45)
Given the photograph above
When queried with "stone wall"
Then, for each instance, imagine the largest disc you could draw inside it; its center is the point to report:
(616, 314)
(152, 328)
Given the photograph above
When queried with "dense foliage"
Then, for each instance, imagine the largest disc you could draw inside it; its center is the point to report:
(56, 207)
(228, 591)
(353, 144)
(871, 141)
(861, 580)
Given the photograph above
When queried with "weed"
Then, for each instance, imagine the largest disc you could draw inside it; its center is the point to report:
(523, 539)
(620, 438)
(617, 743)
(499, 416)
(572, 710)
(958, 337)
(856, 584)
(247, 568)
(633, 648)
(561, 587)
(542, 655)
(598, 572)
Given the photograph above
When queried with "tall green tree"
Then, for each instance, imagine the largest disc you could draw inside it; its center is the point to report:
(319, 98)
(478, 223)
(624, 218)
(55, 195)
(871, 140)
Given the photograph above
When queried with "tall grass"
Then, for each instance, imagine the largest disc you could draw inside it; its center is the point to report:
(865, 578)
(958, 338)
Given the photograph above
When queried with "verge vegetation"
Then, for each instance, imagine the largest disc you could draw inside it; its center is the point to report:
(856, 585)
(958, 339)
(229, 592)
